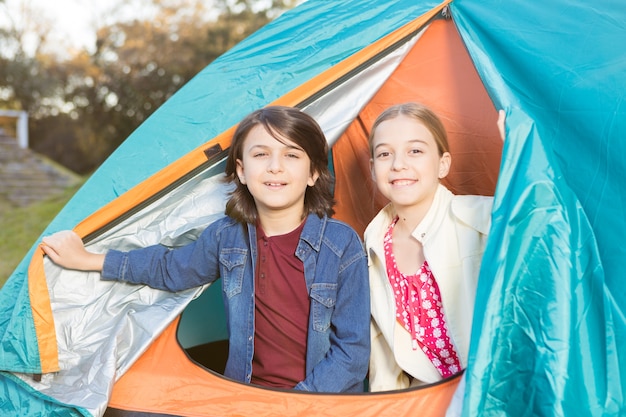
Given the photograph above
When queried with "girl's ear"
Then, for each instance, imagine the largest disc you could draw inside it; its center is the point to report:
(444, 164)
(372, 170)
(240, 174)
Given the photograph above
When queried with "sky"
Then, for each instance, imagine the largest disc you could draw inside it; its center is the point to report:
(72, 22)
(74, 19)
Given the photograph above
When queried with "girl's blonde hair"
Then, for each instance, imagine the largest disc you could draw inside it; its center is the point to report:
(419, 112)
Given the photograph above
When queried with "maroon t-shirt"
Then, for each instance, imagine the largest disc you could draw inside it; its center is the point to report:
(281, 312)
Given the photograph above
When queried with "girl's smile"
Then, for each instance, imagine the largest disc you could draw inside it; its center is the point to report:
(402, 183)
(406, 163)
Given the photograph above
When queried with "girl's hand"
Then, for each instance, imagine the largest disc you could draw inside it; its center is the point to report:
(66, 249)
(501, 118)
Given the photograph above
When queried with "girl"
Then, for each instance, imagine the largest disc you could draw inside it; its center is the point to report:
(294, 281)
(425, 249)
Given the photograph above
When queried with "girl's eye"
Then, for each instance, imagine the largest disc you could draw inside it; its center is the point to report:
(382, 154)
(415, 151)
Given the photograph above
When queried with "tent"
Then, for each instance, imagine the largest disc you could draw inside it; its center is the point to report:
(550, 323)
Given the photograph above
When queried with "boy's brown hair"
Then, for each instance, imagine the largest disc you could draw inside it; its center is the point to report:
(293, 124)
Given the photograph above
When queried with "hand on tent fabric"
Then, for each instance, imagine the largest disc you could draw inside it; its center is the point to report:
(501, 119)
(66, 249)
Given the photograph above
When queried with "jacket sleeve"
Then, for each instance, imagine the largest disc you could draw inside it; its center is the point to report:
(344, 367)
(385, 374)
(167, 269)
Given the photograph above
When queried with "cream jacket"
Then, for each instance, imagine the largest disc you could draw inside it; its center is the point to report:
(453, 234)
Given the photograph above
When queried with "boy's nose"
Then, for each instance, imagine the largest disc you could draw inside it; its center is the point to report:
(274, 164)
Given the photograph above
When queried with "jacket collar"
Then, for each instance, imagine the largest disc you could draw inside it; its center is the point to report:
(429, 224)
(435, 215)
(313, 231)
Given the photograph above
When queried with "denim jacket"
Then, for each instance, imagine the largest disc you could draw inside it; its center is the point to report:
(335, 269)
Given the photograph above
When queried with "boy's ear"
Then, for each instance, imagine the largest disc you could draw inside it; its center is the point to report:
(313, 178)
(240, 174)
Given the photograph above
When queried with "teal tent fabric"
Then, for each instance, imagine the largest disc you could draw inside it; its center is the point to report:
(17, 399)
(551, 338)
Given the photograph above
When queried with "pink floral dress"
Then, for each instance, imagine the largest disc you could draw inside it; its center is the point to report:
(420, 310)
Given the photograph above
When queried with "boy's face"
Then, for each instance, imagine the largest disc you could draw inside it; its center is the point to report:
(276, 173)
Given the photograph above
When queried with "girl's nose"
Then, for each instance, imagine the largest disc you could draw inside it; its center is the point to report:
(398, 162)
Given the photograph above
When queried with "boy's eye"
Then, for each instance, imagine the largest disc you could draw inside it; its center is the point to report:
(293, 155)
(259, 154)
(415, 151)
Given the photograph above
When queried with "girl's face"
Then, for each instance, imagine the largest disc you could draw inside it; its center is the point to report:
(406, 164)
(276, 173)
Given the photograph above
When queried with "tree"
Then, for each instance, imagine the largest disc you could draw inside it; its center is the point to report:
(24, 64)
(84, 106)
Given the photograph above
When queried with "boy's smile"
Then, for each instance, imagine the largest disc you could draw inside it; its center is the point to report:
(276, 172)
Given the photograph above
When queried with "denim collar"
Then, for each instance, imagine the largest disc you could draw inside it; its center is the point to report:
(313, 232)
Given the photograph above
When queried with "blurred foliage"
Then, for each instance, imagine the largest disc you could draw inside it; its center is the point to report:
(83, 105)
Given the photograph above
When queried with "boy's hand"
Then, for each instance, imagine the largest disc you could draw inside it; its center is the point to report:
(66, 249)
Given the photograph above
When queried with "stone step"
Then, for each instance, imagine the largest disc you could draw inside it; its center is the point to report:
(26, 177)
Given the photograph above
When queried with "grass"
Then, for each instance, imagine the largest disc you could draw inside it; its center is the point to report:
(21, 227)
